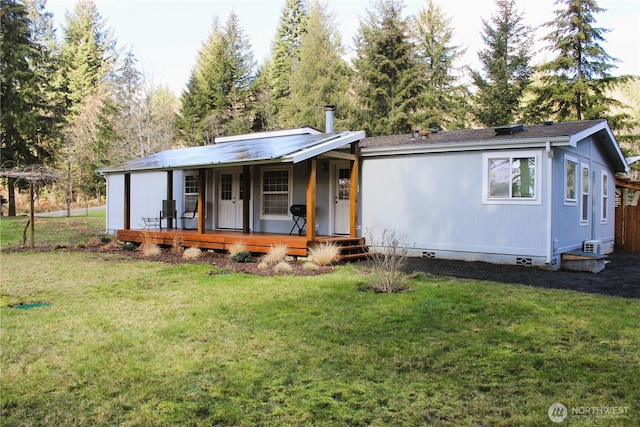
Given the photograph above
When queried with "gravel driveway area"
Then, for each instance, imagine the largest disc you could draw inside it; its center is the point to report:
(621, 276)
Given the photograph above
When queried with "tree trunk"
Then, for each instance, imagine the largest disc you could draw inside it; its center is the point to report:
(12, 196)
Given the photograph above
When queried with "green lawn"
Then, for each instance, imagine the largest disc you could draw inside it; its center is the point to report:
(143, 343)
(62, 231)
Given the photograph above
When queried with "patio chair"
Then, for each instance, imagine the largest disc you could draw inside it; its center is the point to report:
(189, 215)
(169, 213)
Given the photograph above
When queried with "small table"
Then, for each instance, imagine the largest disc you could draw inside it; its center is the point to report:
(151, 221)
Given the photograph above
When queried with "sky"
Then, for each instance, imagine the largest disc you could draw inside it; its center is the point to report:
(166, 35)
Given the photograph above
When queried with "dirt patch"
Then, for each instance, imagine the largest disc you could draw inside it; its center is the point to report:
(621, 277)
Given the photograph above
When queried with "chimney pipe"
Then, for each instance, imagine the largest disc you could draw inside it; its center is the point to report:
(329, 114)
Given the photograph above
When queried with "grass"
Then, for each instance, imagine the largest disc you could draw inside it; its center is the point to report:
(144, 343)
(63, 231)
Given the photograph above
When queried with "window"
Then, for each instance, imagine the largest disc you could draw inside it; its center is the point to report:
(605, 197)
(584, 194)
(276, 186)
(190, 192)
(570, 180)
(511, 178)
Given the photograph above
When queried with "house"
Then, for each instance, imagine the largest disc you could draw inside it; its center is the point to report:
(513, 194)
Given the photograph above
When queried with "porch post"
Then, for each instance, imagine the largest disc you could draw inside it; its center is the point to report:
(311, 201)
(353, 190)
(127, 201)
(246, 187)
(170, 193)
(202, 180)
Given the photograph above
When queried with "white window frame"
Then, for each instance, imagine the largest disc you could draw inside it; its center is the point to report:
(585, 203)
(184, 188)
(289, 192)
(510, 200)
(604, 197)
(567, 200)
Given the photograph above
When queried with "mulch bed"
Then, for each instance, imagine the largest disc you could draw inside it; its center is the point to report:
(621, 276)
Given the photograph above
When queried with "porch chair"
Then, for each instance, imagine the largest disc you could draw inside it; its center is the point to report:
(189, 215)
(169, 213)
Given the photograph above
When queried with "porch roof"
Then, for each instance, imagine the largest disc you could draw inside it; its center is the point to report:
(265, 147)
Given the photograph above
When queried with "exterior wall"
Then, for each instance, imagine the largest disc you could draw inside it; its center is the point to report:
(115, 203)
(568, 232)
(298, 196)
(436, 201)
(148, 190)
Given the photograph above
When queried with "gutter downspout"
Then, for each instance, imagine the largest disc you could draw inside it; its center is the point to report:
(550, 248)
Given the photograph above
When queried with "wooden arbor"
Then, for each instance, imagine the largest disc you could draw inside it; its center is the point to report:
(33, 174)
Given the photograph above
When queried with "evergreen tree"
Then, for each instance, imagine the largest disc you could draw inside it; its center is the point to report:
(320, 77)
(285, 56)
(25, 131)
(87, 54)
(574, 84)
(387, 82)
(87, 58)
(443, 102)
(507, 72)
(217, 98)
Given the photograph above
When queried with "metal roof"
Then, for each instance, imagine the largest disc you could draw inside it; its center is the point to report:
(259, 148)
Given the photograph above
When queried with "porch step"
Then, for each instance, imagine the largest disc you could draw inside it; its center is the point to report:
(583, 261)
(351, 248)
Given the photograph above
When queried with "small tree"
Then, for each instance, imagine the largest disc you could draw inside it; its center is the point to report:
(388, 259)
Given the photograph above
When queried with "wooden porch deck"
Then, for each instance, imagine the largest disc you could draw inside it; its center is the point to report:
(218, 239)
(351, 248)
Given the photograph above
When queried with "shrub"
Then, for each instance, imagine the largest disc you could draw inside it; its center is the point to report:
(95, 242)
(105, 239)
(150, 249)
(275, 254)
(388, 258)
(283, 267)
(242, 256)
(191, 253)
(325, 253)
(310, 266)
(236, 248)
(129, 246)
(176, 243)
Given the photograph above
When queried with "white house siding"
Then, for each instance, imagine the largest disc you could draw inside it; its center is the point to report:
(568, 233)
(148, 190)
(435, 200)
(115, 202)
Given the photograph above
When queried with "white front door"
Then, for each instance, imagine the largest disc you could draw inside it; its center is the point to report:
(341, 197)
(230, 199)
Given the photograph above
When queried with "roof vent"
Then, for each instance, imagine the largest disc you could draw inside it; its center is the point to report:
(547, 122)
(509, 130)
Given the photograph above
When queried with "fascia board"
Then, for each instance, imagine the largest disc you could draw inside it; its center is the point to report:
(466, 146)
(269, 134)
(613, 143)
(331, 144)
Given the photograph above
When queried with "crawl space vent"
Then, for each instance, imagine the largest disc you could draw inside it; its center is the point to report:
(590, 246)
